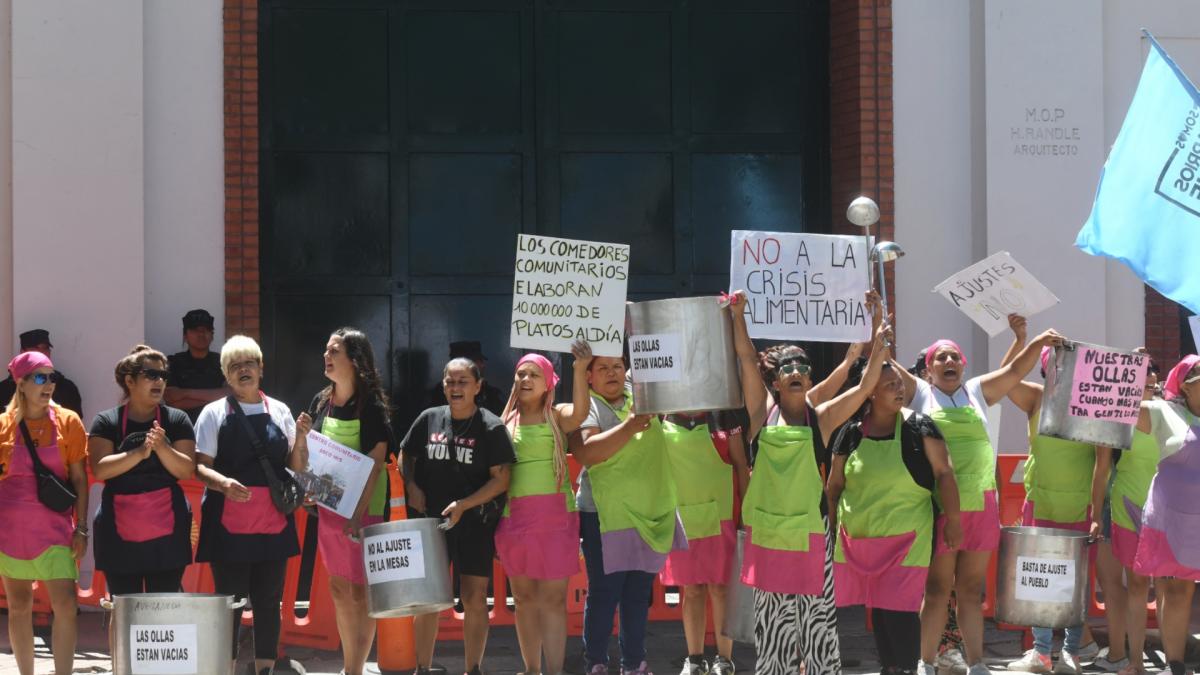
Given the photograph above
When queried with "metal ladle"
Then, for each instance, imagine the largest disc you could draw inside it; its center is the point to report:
(864, 212)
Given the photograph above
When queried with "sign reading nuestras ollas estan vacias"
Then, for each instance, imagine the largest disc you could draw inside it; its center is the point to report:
(566, 290)
(1108, 385)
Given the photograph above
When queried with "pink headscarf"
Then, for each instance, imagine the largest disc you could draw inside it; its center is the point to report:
(542, 362)
(938, 344)
(26, 362)
(1045, 359)
(1178, 374)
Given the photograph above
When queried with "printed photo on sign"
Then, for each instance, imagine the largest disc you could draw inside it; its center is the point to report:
(395, 556)
(1108, 384)
(655, 358)
(163, 649)
(991, 289)
(1045, 579)
(802, 286)
(336, 474)
(566, 290)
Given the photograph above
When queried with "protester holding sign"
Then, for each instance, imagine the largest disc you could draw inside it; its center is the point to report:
(788, 556)
(245, 536)
(354, 411)
(457, 460)
(708, 461)
(40, 543)
(541, 506)
(1168, 548)
(885, 469)
(959, 408)
(627, 520)
(1065, 484)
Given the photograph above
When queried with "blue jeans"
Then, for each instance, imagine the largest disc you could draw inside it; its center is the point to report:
(1043, 639)
(630, 591)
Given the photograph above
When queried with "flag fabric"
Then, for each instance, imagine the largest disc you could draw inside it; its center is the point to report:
(1147, 208)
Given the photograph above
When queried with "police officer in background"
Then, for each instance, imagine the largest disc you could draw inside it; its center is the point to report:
(66, 393)
(196, 378)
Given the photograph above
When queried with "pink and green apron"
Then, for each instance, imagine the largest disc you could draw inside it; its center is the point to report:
(539, 510)
(785, 534)
(342, 555)
(975, 472)
(1168, 545)
(1058, 482)
(37, 541)
(705, 486)
(636, 501)
(1131, 486)
(885, 530)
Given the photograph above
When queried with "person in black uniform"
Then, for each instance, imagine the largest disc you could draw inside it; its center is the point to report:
(489, 397)
(245, 537)
(66, 393)
(141, 450)
(196, 377)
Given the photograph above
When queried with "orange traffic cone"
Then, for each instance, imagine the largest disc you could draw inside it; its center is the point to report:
(396, 648)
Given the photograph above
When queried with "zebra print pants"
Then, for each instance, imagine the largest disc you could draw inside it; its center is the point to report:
(794, 629)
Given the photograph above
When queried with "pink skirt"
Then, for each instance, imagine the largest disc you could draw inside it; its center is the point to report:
(792, 572)
(539, 538)
(707, 560)
(343, 556)
(874, 575)
(981, 529)
(1124, 545)
(1155, 559)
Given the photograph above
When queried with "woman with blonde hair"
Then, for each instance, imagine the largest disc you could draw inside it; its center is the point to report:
(40, 542)
(541, 506)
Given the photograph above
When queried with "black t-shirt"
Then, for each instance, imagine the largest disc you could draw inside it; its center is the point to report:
(107, 425)
(373, 428)
(188, 372)
(453, 458)
(913, 432)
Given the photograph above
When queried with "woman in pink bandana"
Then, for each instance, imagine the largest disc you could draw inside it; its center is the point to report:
(541, 506)
(40, 544)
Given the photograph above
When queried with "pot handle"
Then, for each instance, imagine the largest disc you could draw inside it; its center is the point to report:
(106, 604)
(238, 604)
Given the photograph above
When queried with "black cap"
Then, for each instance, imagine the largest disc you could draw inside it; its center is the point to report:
(467, 349)
(197, 318)
(919, 367)
(35, 337)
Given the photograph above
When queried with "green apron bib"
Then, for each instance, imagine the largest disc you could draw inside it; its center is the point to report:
(1058, 477)
(1134, 471)
(970, 452)
(349, 434)
(882, 500)
(533, 474)
(633, 489)
(783, 503)
(703, 480)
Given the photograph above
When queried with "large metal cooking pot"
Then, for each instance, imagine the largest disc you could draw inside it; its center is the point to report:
(172, 633)
(1041, 577)
(408, 568)
(685, 359)
(1055, 418)
(739, 600)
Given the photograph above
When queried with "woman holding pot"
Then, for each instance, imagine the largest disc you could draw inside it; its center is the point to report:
(541, 506)
(141, 450)
(788, 557)
(959, 408)
(456, 460)
(886, 467)
(245, 536)
(40, 543)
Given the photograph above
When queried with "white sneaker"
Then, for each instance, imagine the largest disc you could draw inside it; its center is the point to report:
(1104, 663)
(1032, 662)
(926, 669)
(1068, 663)
(1089, 651)
(979, 669)
(951, 661)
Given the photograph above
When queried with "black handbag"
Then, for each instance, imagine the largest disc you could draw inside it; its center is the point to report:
(490, 511)
(286, 493)
(51, 491)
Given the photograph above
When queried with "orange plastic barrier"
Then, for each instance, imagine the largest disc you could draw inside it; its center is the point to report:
(395, 645)
(317, 628)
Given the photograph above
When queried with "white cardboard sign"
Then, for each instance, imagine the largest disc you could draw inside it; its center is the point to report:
(991, 289)
(1045, 579)
(395, 556)
(163, 649)
(802, 286)
(1194, 324)
(655, 357)
(566, 290)
(336, 474)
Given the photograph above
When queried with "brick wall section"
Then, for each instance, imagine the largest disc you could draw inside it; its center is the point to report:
(1163, 338)
(860, 64)
(241, 167)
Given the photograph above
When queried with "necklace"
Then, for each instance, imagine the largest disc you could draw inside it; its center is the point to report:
(466, 425)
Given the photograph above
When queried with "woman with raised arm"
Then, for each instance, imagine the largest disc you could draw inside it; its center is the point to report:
(788, 555)
(959, 408)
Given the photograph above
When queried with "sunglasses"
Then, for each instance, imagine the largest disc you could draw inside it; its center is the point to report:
(43, 378)
(154, 374)
(798, 368)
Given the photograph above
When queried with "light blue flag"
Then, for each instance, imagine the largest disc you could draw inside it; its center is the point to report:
(1147, 208)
